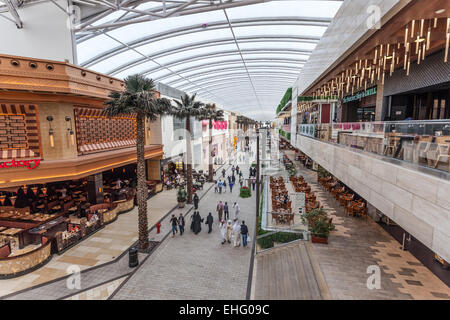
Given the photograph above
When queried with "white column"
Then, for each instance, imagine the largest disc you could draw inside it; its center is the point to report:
(294, 116)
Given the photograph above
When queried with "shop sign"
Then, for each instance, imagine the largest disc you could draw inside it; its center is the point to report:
(220, 125)
(360, 95)
(30, 164)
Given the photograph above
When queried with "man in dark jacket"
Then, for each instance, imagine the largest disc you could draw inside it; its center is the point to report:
(209, 222)
(174, 223)
(244, 233)
(223, 173)
(181, 224)
(226, 212)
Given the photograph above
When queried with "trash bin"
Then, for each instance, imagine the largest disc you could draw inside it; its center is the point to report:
(133, 259)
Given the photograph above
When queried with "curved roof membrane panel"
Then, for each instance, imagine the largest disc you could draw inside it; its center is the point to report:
(242, 54)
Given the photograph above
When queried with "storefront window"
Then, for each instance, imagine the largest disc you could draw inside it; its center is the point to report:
(366, 114)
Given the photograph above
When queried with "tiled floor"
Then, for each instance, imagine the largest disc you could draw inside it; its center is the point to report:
(197, 266)
(99, 293)
(359, 243)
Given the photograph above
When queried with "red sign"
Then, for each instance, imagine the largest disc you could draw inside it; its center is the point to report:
(30, 164)
(220, 125)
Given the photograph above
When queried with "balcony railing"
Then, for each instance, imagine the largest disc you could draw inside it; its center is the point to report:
(424, 143)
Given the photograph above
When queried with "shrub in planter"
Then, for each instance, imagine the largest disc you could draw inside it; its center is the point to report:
(313, 215)
(245, 192)
(181, 197)
(319, 225)
(320, 230)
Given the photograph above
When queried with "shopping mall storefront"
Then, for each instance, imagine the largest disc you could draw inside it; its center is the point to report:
(66, 169)
(426, 94)
(359, 107)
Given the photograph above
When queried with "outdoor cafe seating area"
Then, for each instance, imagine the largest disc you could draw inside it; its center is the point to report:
(423, 143)
(281, 203)
(353, 204)
(300, 185)
(55, 216)
(29, 214)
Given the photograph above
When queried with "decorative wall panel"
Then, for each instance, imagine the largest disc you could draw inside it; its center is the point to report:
(430, 72)
(19, 131)
(97, 132)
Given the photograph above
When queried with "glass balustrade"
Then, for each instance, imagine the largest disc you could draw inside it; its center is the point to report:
(425, 143)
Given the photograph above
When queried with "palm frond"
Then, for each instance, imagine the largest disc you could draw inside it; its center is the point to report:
(188, 107)
(138, 97)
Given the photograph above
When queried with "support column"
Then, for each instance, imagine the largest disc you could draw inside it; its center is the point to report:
(154, 169)
(379, 102)
(294, 116)
(257, 174)
(95, 188)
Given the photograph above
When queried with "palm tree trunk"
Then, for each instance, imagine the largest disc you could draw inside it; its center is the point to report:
(188, 160)
(210, 166)
(141, 184)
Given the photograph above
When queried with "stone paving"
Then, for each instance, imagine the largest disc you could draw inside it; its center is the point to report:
(49, 282)
(101, 292)
(359, 243)
(197, 266)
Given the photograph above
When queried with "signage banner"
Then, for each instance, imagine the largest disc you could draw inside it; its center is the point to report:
(30, 164)
(360, 95)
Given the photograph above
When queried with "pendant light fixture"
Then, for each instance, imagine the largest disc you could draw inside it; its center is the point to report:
(447, 44)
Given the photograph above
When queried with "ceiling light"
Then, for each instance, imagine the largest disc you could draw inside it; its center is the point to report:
(440, 11)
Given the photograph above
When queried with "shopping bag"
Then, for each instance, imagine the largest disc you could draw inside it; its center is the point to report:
(249, 239)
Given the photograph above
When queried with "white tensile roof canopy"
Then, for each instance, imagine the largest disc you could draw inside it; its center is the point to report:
(241, 54)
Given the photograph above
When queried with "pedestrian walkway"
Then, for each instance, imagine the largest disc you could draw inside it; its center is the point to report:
(197, 266)
(286, 273)
(96, 256)
(357, 244)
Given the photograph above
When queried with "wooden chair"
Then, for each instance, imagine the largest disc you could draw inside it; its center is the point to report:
(440, 153)
(391, 145)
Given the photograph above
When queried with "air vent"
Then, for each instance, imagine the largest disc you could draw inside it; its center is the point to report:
(50, 67)
(33, 65)
(15, 63)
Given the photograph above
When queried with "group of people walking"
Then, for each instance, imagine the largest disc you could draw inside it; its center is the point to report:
(234, 231)
(229, 229)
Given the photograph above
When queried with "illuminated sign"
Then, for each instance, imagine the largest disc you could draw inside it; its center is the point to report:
(360, 95)
(30, 164)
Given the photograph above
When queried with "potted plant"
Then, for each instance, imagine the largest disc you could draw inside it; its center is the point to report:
(245, 192)
(319, 225)
(320, 230)
(181, 197)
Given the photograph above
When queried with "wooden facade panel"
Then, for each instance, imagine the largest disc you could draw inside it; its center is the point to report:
(18, 131)
(97, 132)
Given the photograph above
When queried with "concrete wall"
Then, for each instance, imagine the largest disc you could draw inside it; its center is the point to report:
(44, 35)
(418, 202)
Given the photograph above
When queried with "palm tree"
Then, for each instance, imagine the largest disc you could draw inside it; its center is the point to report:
(185, 109)
(139, 98)
(211, 113)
